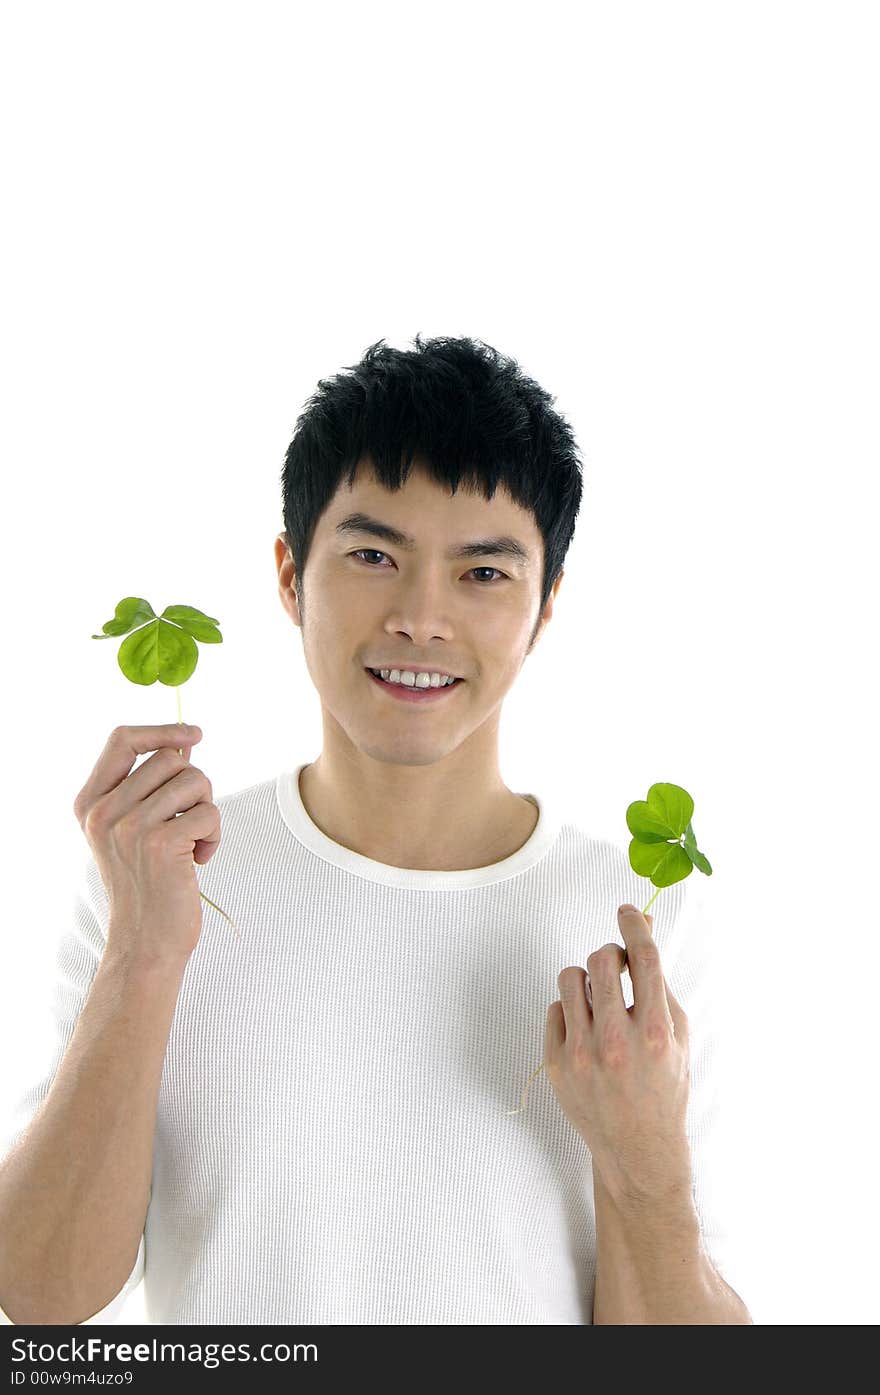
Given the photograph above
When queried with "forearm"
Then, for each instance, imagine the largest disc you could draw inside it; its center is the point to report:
(651, 1268)
(75, 1189)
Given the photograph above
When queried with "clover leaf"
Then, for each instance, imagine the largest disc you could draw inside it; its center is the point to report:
(663, 848)
(658, 825)
(161, 648)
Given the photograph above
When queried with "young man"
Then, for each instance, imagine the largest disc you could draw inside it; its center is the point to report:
(333, 1138)
(408, 773)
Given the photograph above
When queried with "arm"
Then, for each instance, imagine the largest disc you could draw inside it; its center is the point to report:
(74, 1190)
(651, 1269)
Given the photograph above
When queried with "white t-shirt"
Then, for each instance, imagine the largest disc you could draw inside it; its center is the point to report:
(332, 1144)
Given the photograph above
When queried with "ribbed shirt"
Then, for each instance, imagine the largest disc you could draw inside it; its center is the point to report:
(332, 1139)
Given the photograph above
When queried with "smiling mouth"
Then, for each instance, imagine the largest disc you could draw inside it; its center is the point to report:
(411, 692)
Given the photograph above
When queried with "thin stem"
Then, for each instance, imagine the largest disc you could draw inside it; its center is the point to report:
(180, 753)
(217, 908)
(527, 1084)
(652, 900)
(541, 1066)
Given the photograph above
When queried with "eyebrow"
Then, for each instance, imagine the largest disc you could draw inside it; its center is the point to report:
(504, 546)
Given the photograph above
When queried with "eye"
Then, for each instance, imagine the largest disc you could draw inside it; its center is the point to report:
(376, 553)
(361, 550)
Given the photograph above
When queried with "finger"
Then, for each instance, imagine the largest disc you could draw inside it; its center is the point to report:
(650, 919)
(554, 1030)
(573, 997)
(678, 1015)
(643, 960)
(123, 747)
(605, 967)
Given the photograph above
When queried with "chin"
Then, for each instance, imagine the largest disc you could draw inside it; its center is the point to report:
(399, 752)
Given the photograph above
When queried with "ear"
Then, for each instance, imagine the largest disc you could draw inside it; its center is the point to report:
(286, 578)
(548, 610)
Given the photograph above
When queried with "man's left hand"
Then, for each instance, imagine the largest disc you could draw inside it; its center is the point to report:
(622, 1074)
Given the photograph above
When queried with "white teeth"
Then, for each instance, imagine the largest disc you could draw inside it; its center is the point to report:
(410, 679)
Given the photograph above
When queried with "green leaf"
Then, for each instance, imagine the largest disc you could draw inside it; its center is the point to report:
(158, 651)
(702, 863)
(664, 814)
(664, 847)
(195, 622)
(690, 847)
(134, 610)
(164, 649)
(663, 863)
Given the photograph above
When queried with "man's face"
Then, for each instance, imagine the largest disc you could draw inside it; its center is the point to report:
(373, 603)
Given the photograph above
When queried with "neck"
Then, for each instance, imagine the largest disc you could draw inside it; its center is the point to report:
(446, 816)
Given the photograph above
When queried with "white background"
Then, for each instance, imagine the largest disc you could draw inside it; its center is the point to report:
(668, 214)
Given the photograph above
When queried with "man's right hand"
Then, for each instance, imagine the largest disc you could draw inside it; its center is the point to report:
(146, 831)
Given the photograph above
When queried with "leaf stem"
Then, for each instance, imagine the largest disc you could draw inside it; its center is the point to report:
(217, 908)
(541, 1066)
(652, 900)
(180, 753)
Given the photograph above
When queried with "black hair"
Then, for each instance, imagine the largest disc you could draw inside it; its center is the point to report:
(468, 412)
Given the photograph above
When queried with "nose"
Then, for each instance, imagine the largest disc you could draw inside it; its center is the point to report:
(421, 612)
